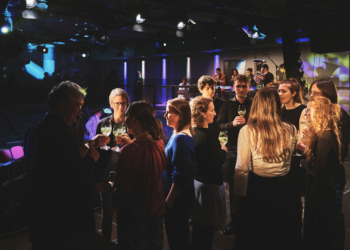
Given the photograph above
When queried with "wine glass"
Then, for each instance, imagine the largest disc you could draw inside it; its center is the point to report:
(223, 138)
(299, 135)
(106, 129)
(241, 110)
(118, 130)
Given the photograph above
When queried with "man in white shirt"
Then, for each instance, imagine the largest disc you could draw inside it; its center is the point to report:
(184, 92)
(91, 125)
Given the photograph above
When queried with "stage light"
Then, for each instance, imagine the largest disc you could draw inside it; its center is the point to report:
(253, 32)
(101, 37)
(42, 49)
(5, 27)
(83, 55)
(181, 25)
(30, 3)
(139, 19)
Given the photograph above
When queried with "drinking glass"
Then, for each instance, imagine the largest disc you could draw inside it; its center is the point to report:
(299, 133)
(118, 130)
(223, 138)
(241, 110)
(106, 129)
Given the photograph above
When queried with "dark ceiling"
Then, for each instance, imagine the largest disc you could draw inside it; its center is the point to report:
(76, 21)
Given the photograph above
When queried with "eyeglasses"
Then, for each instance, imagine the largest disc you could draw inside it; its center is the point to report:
(241, 87)
(119, 104)
(315, 93)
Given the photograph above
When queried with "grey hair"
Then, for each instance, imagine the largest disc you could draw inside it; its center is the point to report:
(64, 91)
(121, 92)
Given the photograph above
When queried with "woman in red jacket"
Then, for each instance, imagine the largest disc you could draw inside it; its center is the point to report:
(140, 194)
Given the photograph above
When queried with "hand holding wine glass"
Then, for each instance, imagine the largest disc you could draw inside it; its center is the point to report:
(241, 110)
(106, 129)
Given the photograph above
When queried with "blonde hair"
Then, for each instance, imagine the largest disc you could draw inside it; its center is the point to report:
(325, 116)
(181, 106)
(117, 91)
(199, 105)
(271, 137)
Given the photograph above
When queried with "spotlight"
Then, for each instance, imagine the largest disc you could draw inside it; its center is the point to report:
(253, 32)
(5, 27)
(42, 49)
(101, 37)
(29, 4)
(83, 55)
(139, 19)
(31, 9)
(181, 21)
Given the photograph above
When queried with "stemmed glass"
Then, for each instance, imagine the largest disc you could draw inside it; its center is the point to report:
(298, 140)
(241, 110)
(106, 129)
(118, 130)
(223, 138)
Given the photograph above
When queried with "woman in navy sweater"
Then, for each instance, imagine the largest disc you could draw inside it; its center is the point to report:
(179, 173)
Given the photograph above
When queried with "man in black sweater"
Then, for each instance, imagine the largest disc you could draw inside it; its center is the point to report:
(229, 120)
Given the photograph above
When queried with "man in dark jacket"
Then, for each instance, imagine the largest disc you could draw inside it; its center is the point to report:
(61, 216)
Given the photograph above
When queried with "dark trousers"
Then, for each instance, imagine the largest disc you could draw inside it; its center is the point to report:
(202, 236)
(230, 164)
(176, 221)
(139, 233)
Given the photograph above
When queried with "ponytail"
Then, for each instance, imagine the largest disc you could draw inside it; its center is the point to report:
(145, 114)
(156, 129)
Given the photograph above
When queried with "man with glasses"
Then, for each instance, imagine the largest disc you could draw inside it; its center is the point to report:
(229, 120)
(106, 165)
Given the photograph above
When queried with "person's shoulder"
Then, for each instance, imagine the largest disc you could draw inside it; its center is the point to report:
(345, 114)
(218, 100)
(106, 118)
(128, 148)
(182, 139)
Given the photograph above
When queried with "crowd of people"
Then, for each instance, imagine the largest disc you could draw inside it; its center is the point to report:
(278, 149)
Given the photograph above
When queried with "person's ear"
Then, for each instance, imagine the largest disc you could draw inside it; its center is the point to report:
(294, 94)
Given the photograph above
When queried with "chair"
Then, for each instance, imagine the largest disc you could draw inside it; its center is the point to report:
(17, 152)
(13, 143)
(5, 157)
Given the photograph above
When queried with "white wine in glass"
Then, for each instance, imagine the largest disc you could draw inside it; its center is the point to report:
(241, 110)
(106, 129)
(223, 138)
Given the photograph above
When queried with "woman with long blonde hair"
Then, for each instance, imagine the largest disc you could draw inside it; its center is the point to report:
(263, 197)
(325, 178)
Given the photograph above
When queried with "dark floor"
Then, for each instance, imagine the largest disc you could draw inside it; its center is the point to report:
(20, 241)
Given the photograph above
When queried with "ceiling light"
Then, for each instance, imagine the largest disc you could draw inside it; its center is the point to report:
(42, 49)
(5, 27)
(181, 25)
(139, 19)
(30, 3)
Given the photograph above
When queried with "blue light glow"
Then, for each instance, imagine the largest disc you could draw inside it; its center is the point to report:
(86, 36)
(59, 43)
(301, 40)
(76, 24)
(35, 70)
(85, 28)
(48, 64)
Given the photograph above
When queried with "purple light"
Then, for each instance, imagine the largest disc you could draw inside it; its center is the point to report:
(164, 81)
(216, 63)
(125, 75)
